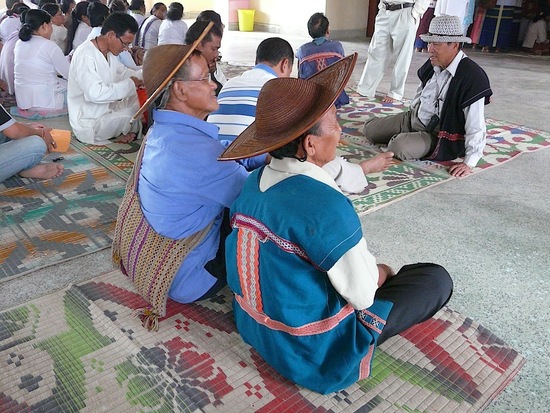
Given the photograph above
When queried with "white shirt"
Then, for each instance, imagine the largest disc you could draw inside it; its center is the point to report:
(37, 64)
(59, 36)
(172, 32)
(94, 84)
(355, 274)
(536, 33)
(8, 26)
(82, 32)
(150, 38)
(431, 99)
(138, 16)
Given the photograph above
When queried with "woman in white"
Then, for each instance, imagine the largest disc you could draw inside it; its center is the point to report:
(148, 34)
(80, 27)
(38, 62)
(12, 23)
(173, 28)
(59, 33)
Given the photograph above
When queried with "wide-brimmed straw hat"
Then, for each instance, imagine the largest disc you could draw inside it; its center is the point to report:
(159, 62)
(288, 107)
(445, 29)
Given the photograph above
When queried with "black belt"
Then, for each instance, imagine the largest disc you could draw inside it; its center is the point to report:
(393, 7)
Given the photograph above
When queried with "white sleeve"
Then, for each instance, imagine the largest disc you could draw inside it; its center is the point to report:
(476, 132)
(348, 176)
(355, 276)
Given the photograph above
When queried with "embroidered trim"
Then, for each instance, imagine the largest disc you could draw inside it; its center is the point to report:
(248, 248)
(364, 366)
(371, 320)
(317, 327)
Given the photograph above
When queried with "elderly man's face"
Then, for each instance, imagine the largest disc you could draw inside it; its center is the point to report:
(326, 139)
(211, 50)
(442, 54)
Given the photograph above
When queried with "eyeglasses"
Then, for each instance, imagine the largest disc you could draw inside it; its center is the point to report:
(201, 79)
(125, 45)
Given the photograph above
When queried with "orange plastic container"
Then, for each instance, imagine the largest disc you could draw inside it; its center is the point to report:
(142, 98)
(62, 139)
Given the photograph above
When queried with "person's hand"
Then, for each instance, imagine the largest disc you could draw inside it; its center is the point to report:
(384, 272)
(36, 125)
(460, 170)
(137, 82)
(45, 134)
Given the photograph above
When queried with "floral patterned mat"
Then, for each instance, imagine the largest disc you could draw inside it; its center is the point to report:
(80, 350)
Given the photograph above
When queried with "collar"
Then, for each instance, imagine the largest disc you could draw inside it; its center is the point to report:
(178, 118)
(320, 40)
(454, 64)
(281, 169)
(265, 67)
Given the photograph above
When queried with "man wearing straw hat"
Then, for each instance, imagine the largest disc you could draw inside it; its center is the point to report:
(446, 119)
(182, 186)
(308, 294)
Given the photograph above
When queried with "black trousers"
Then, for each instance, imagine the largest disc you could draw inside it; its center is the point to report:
(216, 267)
(417, 292)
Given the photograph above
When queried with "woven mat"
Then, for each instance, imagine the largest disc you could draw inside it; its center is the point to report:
(80, 350)
(45, 222)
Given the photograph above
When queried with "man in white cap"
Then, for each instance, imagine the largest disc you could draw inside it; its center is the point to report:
(393, 38)
(446, 119)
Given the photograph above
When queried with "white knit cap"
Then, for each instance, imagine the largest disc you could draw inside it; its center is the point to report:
(445, 29)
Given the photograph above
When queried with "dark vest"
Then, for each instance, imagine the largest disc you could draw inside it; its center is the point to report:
(469, 84)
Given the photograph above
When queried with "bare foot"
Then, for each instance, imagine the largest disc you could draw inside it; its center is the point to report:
(387, 99)
(43, 171)
(129, 137)
(379, 163)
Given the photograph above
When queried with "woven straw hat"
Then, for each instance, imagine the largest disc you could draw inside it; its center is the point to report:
(445, 29)
(159, 62)
(288, 107)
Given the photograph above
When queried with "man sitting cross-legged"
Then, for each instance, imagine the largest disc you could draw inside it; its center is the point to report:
(446, 119)
(101, 93)
(238, 97)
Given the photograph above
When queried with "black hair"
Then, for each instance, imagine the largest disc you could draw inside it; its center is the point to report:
(120, 23)
(32, 20)
(317, 25)
(155, 7)
(51, 8)
(273, 50)
(17, 9)
(196, 29)
(10, 3)
(76, 17)
(66, 5)
(117, 5)
(211, 16)
(175, 11)
(136, 5)
(97, 13)
(291, 149)
(43, 2)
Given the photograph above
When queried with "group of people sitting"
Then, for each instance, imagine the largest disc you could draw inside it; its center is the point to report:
(253, 169)
(254, 172)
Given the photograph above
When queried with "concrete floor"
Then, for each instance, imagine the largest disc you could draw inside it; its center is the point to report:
(491, 231)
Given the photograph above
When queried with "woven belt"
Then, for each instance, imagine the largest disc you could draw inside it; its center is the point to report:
(393, 7)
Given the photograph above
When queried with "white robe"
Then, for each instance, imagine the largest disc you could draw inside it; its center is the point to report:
(172, 32)
(82, 32)
(59, 36)
(101, 96)
(37, 64)
(151, 37)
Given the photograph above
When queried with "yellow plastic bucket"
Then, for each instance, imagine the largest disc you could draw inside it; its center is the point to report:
(246, 20)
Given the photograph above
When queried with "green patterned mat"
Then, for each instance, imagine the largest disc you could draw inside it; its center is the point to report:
(79, 350)
(46, 222)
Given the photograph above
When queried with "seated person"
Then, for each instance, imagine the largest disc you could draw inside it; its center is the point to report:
(148, 35)
(12, 22)
(446, 119)
(173, 29)
(536, 37)
(67, 7)
(59, 31)
(238, 97)
(319, 53)
(102, 94)
(22, 148)
(79, 28)
(194, 191)
(7, 58)
(136, 9)
(41, 69)
(210, 49)
(308, 295)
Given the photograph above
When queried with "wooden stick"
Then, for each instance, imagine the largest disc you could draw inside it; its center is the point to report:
(171, 75)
